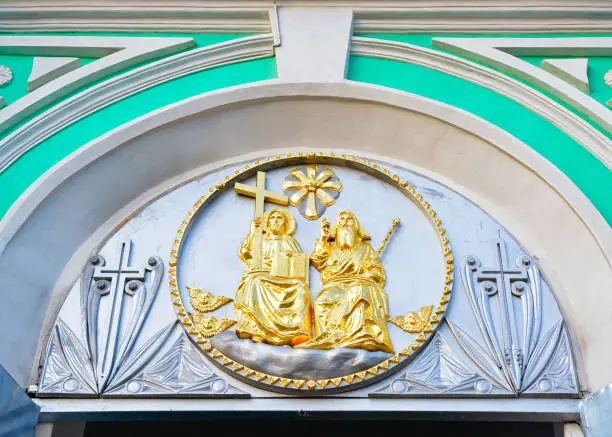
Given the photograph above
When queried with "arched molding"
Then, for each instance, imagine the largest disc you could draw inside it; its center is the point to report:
(564, 119)
(114, 53)
(505, 53)
(117, 88)
(90, 193)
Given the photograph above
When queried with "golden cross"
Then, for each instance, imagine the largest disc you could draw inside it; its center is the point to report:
(261, 195)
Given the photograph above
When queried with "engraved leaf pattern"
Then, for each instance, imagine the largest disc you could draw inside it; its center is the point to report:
(89, 308)
(72, 367)
(560, 367)
(56, 372)
(178, 369)
(559, 371)
(181, 369)
(543, 353)
(480, 357)
(481, 312)
(69, 359)
(142, 355)
(532, 330)
(75, 354)
(438, 370)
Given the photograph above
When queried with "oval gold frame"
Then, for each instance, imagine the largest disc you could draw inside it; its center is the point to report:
(301, 385)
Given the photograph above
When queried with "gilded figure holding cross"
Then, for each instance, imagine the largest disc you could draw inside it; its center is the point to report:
(272, 301)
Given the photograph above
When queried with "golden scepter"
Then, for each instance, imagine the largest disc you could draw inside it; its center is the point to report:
(383, 244)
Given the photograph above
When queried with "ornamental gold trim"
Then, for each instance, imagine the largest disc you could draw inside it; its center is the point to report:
(353, 161)
(209, 326)
(415, 323)
(204, 301)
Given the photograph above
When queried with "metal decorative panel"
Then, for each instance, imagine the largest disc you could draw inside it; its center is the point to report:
(420, 293)
(110, 355)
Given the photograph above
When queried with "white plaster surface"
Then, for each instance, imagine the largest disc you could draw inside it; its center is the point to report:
(459, 409)
(59, 219)
(573, 71)
(373, 16)
(314, 43)
(45, 69)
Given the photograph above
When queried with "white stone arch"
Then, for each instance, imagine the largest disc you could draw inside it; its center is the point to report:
(87, 195)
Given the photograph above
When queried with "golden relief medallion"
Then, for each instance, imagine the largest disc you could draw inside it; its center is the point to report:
(284, 331)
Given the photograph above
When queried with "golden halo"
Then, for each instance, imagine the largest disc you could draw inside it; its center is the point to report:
(289, 219)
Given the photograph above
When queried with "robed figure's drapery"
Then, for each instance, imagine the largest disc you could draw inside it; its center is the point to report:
(351, 309)
(272, 308)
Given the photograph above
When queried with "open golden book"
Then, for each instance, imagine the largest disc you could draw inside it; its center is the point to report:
(295, 266)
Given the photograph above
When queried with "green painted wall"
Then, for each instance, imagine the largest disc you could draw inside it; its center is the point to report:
(587, 172)
(578, 164)
(20, 67)
(21, 174)
(598, 67)
(23, 66)
(597, 64)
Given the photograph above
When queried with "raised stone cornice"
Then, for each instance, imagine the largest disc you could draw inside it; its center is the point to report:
(253, 15)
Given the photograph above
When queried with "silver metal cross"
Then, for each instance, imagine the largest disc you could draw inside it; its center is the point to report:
(114, 282)
(499, 281)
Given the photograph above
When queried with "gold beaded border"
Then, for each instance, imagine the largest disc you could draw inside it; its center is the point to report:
(301, 384)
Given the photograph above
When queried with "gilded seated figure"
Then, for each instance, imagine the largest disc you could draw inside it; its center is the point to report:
(272, 301)
(351, 309)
